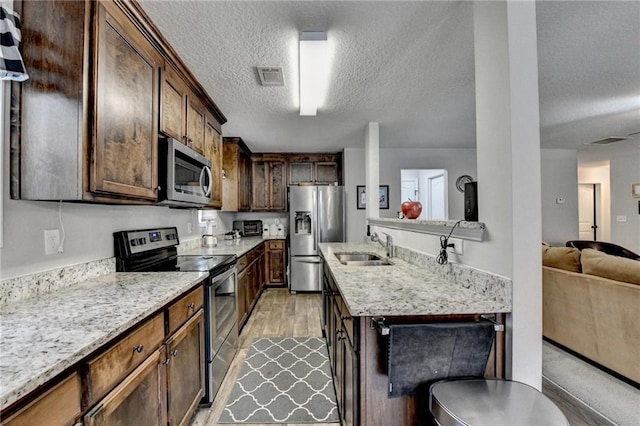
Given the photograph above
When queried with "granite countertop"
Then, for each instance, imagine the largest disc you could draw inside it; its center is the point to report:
(401, 288)
(238, 247)
(43, 335)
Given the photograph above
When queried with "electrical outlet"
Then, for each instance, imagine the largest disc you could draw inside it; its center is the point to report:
(189, 227)
(51, 241)
(457, 245)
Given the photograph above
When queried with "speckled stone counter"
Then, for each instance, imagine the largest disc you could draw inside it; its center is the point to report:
(237, 247)
(43, 335)
(401, 288)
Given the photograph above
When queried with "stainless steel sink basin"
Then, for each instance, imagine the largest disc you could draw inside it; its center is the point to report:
(362, 259)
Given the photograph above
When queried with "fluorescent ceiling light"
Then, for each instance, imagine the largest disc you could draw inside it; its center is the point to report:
(314, 70)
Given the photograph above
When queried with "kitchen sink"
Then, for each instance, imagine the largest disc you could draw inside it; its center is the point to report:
(362, 259)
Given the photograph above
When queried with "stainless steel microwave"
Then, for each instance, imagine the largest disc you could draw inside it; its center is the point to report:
(184, 175)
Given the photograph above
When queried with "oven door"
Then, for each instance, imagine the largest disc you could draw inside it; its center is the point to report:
(221, 332)
(224, 311)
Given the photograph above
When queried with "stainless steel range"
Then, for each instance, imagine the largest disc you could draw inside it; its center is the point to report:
(154, 250)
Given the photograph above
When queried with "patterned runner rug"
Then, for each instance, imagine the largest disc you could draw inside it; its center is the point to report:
(283, 380)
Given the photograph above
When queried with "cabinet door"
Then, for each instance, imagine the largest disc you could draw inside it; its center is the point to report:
(173, 105)
(142, 396)
(185, 369)
(276, 266)
(277, 186)
(349, 407)
(245, 180)
(195, 124)
(260, 186)
(301, 172)
(124, 149)
(213, 151)
(326, 173)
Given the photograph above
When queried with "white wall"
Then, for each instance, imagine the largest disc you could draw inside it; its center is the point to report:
(88, 227)
(559, 172)
(624, 170)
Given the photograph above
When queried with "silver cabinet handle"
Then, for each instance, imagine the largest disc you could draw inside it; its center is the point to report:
(174, 353)
(138, 348)
(191, 306)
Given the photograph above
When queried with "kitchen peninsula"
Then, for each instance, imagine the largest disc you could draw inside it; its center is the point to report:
(402, 292)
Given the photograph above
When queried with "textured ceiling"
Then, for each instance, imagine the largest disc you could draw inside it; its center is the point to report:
(407, 65)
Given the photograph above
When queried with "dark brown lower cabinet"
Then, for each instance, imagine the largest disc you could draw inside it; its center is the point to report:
(141, 396)
(349, 401)
(167, 385)
(251, 280)
(343, 356)
(185, 353)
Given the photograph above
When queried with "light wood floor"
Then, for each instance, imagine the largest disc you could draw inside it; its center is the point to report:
(277, 314)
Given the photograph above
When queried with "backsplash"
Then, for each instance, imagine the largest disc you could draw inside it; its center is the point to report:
(18, 288)
(494, 286)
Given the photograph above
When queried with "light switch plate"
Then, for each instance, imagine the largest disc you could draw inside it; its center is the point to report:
(621, 218)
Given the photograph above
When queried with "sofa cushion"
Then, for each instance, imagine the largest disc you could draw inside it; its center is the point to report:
(604, 265)
(567, 258)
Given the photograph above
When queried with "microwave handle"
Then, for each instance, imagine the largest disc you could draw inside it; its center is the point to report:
(207, 190)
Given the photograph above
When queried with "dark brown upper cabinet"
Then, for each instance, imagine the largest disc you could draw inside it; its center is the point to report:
(182, 115)
(126, 108)
(213, 151)
(316, 169)
(236, 175)
(269, 183)
(85, 126)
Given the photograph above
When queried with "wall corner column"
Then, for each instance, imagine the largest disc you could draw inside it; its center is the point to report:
(509, 180)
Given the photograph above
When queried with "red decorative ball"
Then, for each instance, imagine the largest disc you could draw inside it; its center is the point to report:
(411, 209)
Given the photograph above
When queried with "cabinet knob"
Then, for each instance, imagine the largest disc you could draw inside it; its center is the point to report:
(138, 348)
(191, 306)
(167, 361)
(346, 317)
(174, 353)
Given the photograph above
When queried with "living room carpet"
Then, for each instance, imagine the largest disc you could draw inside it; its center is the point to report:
(283, 380)
(612, 398)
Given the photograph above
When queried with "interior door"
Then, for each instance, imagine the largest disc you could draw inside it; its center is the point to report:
(437, 198)
(587, 227)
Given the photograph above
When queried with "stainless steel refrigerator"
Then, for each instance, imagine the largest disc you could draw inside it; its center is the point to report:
(316, 215)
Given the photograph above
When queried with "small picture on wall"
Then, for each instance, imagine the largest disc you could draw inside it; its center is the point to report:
(383, 197)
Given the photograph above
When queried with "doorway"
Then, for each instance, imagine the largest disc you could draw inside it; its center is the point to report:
(588, 211)
(429, 186)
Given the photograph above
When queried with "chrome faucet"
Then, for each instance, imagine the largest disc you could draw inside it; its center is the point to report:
(388, 244)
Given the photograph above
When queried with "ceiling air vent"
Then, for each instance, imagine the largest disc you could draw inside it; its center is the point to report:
(270, 76)
(606, 141)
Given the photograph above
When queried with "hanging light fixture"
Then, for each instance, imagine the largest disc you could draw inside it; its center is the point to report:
(314, 70)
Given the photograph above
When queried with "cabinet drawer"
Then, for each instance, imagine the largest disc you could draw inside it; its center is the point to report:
(113, 365)
(184, 308)
(58, 406)
(276, 245)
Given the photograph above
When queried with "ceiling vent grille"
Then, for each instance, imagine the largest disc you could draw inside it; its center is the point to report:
(270, 76)
(607, 141)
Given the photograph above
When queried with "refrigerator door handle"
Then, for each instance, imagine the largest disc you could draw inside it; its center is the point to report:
(315, 221)
(306, 260)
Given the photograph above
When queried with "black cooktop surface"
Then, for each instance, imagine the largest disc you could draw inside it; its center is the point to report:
(203, 263)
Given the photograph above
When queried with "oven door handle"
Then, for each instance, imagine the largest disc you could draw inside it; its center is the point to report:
(218, 280)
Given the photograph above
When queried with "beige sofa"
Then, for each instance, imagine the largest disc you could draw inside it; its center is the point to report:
(594, 316)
